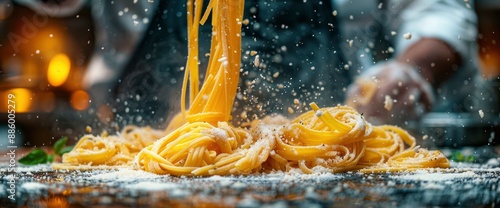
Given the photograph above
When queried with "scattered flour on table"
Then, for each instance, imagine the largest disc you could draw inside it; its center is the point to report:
(434, 186)
(34, 186)
(151, 186)
(427, 176)
(123, 175)
(30, 168)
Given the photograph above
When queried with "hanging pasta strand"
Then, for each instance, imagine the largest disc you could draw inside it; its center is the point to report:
(199, 141)
(216, 97)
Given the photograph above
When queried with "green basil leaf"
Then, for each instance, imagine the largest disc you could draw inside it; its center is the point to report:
(66, 149)
(58, 146)
(470, 159)
(457, 157)
(50, 158)
(37, 156)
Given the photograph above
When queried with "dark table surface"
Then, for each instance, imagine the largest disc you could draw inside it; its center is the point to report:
(463, 185)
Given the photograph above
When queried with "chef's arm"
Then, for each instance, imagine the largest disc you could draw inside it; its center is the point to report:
(433, 58)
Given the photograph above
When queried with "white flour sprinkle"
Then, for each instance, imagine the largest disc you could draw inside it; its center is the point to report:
(426, 176)
(33, 186)
(123, 175)
(319, 113)
(256, 61)
(388, 103)
(151, 186)
(407, 36)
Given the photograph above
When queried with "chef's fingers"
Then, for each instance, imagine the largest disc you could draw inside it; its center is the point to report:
(361, 92)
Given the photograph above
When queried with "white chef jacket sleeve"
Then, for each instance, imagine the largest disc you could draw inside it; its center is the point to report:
(119, 29)
(453, 21)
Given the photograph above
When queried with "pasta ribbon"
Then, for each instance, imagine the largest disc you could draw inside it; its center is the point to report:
(111, 150)
(199, 141)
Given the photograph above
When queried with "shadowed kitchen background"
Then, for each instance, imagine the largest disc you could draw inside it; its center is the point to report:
(43, 61)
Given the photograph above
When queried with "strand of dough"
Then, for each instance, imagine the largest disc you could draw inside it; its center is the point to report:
(199, 141)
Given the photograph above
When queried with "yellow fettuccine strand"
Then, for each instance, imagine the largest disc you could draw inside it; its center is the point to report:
(200, 141)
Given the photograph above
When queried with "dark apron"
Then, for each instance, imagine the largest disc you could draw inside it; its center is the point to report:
(298, 42)
(310, 69)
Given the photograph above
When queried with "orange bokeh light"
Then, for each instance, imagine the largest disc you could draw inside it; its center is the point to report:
(80, 100)
(58, 71)
(19, 100)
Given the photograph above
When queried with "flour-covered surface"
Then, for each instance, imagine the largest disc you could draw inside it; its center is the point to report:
(464, 185)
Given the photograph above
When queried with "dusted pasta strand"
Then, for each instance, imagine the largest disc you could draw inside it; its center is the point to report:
(200, 142)
(381, 144)
(90, 149)
(335, 125)
(202, 149)
(111, 150)
(212, 104)
(215, 105)
(410, 158)
(191, 73)
(327, 137)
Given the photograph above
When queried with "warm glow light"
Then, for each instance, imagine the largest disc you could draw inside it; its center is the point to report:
(47, 102)
(21, 99)
(58, 71)
(490, 64)
(80, 100)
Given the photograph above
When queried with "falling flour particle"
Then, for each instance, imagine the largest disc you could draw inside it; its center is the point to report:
(296, 101)
(393, 33)
(350, 42)
(425, 137)
(388, 103)
(412, 98)
(481, 113)
(390, 50)
(246, 22)
(256, 62)
(88, 129)
(253, 53)
(334, 13)
(407, 36)
(222, 59)
(244, 115)
(276, 75)
(319, 113)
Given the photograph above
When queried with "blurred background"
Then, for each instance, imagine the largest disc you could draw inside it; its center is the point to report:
(43, 60)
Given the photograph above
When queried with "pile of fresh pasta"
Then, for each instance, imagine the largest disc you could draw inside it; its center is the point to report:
(200, 141)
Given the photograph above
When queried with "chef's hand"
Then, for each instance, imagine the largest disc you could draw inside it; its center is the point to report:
(390, 93)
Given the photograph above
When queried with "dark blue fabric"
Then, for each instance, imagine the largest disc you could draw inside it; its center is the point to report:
(309, 32)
